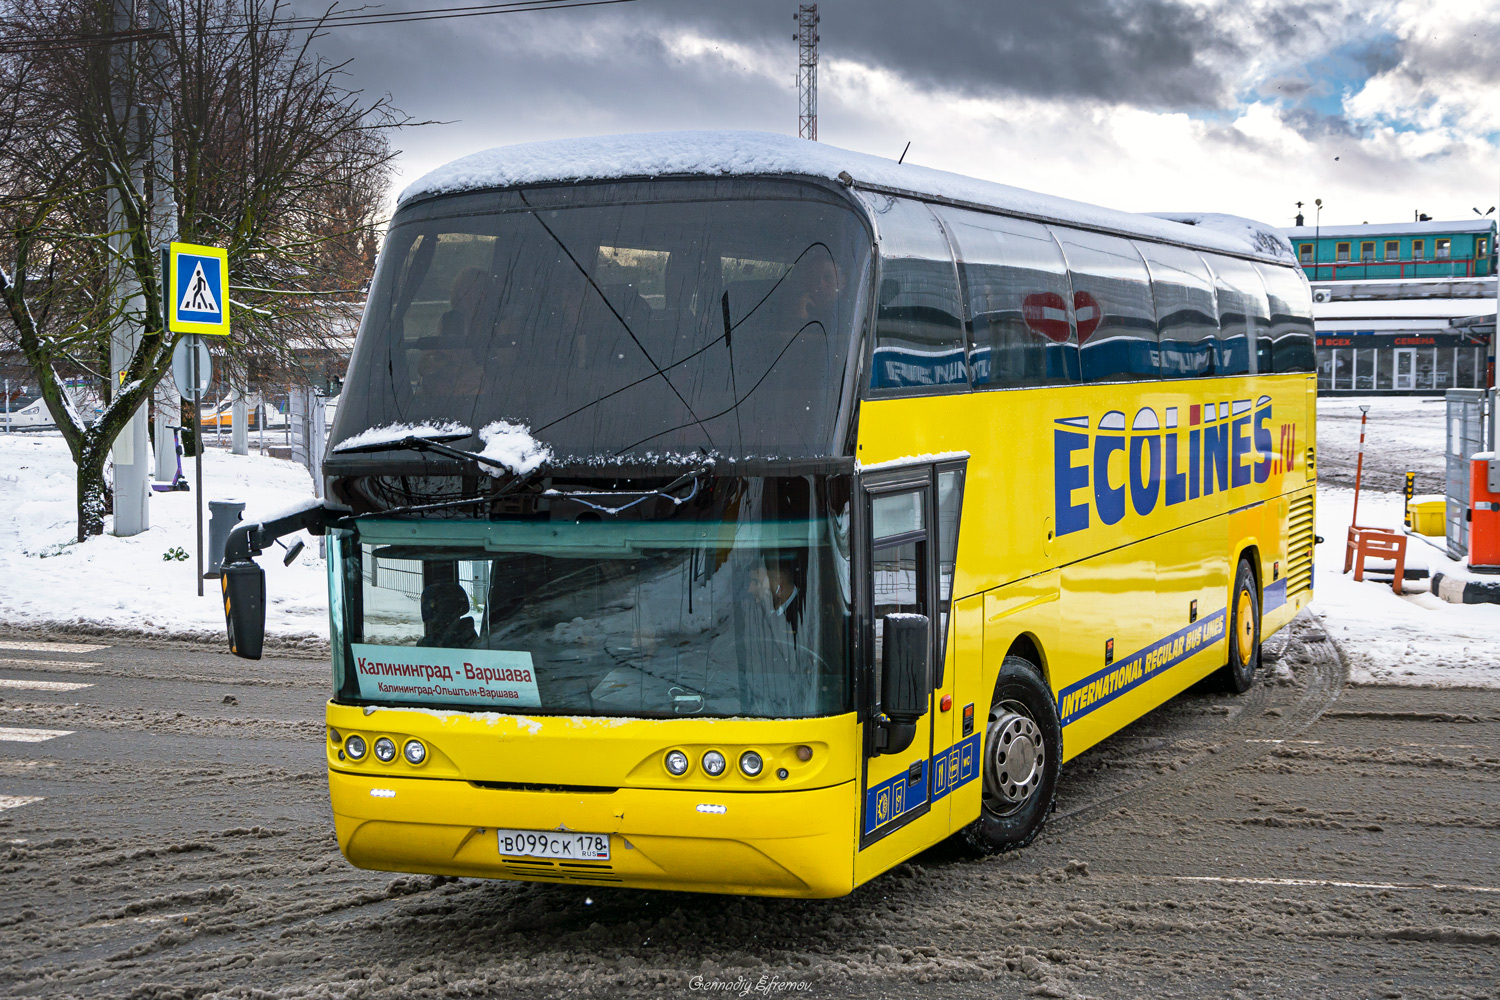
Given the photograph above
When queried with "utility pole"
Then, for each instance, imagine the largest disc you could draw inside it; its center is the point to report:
(807, 70)
(1318, 240)
(131, 451)
(163, 231)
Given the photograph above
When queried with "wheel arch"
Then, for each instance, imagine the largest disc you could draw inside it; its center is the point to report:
(1249, 549)
(1029, 648)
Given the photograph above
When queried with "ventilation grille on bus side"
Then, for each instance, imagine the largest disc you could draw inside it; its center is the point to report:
(1299, 532)
(561, 871)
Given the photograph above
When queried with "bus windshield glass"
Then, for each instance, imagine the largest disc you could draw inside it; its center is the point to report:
(618, 320)
(734, 602)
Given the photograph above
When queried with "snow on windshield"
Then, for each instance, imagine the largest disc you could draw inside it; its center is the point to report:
(513, 445)
(393, 433)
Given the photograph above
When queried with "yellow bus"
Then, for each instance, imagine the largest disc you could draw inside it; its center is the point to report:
(733, 513)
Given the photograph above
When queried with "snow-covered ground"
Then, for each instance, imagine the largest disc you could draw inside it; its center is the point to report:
(1414, 639)
(130, 584)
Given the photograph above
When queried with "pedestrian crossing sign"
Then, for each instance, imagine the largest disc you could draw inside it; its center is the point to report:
(197, 289)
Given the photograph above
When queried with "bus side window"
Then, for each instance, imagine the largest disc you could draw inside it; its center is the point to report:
(1015, 283)
(950, 498)
(1291, 321)
(1188, 320)
(1244, 317)
(1112, 307)
(918, 330)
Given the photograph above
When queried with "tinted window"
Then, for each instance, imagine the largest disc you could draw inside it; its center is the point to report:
(1244, 317)
(950, 495)
(1015, 282)
(617, 319)
(1186, 315)
(1291, 319)
(1112, 308)
(918, 332)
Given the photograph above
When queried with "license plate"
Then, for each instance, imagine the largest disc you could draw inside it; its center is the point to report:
(560, 846)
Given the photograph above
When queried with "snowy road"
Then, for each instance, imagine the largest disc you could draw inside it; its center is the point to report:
(1402, 434)
(165, 833)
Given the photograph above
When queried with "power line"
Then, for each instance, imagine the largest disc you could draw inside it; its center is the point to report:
(316, 24)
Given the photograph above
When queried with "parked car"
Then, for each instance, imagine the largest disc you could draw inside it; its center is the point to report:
(27, 414)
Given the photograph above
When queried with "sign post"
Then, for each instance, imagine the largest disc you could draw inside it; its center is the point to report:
(196, 283)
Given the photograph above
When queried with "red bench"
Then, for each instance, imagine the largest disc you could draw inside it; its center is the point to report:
(1375, 543)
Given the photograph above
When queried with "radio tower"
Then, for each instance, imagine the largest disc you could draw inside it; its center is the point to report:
(807, 70)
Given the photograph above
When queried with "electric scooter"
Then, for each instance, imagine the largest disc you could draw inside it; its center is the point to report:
(179, 482)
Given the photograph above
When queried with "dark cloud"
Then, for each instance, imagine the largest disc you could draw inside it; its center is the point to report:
(1381, 55)
(1291, 88)
(1152, 53)
(1158, 54)
(1288, 23)
(1439, 57)
(593, 70)
(1313, 124)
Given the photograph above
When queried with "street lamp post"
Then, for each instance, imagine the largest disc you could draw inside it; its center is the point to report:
(1317, 236)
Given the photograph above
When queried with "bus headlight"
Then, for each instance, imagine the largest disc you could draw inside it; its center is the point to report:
(677, 762)
(385, 750)
(751, 763)
(415, 752)
(713, 763)
(354, 746)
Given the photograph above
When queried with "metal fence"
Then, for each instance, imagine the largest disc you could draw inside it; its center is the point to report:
(309, 432)
(1468, 418)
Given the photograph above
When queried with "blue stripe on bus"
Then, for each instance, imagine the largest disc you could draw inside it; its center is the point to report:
(1079, 699)
(955, 767)
(946, 771)
(1275, 596)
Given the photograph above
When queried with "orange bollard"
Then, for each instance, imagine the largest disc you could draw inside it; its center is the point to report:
(1484, 513)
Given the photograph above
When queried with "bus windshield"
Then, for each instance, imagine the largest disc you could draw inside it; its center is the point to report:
(734, 602)
(618, 320)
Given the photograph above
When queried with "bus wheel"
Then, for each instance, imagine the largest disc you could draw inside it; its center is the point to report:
(1244, 633)
(1022, 752)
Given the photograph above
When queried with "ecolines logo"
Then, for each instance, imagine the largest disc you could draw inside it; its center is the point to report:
(1222, 447)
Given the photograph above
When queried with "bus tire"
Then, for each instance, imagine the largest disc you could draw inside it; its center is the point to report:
(1023, 730)
(1244, 632)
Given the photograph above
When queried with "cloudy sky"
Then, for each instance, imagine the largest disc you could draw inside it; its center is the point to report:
(1379, 107)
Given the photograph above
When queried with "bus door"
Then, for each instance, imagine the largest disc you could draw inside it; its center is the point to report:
(900, 553)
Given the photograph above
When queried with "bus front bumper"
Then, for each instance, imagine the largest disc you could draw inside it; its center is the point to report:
(794, 843)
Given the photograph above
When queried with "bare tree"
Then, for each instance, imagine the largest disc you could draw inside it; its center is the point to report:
(273, 158)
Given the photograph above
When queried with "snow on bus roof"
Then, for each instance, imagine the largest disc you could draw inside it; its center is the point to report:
(730, 154)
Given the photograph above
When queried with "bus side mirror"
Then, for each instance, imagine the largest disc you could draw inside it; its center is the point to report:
(905, 679)
(905, 682)
(244, 585)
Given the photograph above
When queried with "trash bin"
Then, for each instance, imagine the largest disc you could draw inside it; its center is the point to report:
(1428, 513)
(223, 515)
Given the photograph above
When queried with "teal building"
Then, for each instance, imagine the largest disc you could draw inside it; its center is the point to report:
(1400, 307)
(1396, 250)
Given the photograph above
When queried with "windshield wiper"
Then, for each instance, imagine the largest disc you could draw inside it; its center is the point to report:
(516, 485)
(436, 445)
